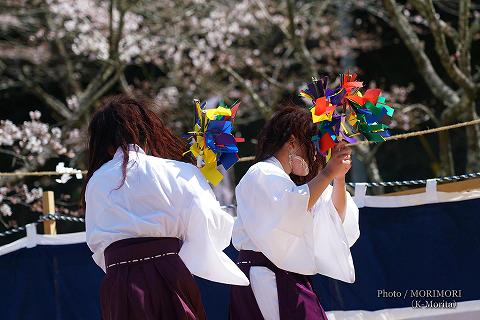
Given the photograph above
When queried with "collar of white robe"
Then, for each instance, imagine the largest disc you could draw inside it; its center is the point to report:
(131, 147)
(275, 161)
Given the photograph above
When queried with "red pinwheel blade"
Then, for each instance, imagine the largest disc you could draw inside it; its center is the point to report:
(353, 84)
(326, 143)
(234, 109)
(321, 106)
(349, 77)
(357, 99)
(372, 95)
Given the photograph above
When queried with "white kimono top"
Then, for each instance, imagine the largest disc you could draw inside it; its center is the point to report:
(272, 218)
(160, 198)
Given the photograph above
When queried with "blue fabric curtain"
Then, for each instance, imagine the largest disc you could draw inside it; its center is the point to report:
(429, 247)
(50, 282)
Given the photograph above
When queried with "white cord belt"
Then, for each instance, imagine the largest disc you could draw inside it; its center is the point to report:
(141, 259)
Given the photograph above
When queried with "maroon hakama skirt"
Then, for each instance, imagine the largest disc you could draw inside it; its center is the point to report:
(296, 298)
(146, 279)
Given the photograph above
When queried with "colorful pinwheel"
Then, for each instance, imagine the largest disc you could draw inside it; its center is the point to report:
(344, 112)
(212, 141)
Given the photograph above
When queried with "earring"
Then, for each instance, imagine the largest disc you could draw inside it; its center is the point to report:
(290, 156)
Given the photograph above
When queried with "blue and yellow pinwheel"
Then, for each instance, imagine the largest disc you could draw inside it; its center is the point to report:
(212, 141)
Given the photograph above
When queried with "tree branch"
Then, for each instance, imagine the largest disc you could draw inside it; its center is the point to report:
(424, 108)
(270, 79)
(449, 31)
(441, 46)
(85, 99)
(118, 32)
(73, 83)
(124, 84)
(262, 106)
(106, 86)
(111, 32)
(438, 87)
(298, 43)
(13, 154)
(471, 32)
(53, 103)
(463, 17)
(111, 71)
(269, 17)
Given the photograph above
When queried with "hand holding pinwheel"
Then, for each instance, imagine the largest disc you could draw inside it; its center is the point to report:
(340, 161)
(344, 113)
(212, 141)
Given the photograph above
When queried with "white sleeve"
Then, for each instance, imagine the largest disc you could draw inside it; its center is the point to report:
(274, 214)
(332, 239)
(208, 231)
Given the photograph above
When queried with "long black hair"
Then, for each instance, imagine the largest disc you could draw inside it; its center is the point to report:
(125, 120)
(290, 120)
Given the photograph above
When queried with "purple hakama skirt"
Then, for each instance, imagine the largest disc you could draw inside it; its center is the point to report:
(146, 279)
(296, 298)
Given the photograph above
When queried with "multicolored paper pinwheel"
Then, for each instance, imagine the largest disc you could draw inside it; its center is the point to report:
(344, 113)
(212, 141)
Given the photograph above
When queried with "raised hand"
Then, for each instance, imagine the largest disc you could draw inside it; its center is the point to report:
(340, 161)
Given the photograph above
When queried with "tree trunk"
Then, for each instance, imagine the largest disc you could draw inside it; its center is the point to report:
(371, 166)
(446, 155)
(473, 142)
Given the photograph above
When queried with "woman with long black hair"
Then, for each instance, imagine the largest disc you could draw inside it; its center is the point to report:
(151, 218)
(291, 223)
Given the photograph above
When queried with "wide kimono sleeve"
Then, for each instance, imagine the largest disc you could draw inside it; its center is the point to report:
(333, 238)
(208, 231)
(273, 211)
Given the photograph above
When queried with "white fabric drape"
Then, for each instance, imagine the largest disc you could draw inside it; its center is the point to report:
(160, 198)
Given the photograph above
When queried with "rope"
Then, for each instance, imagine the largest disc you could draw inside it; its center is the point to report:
(55, 216)
(420, 133)
(46, 217)
(35, 173)
(418, 182)
(244, 159)
(251, 158)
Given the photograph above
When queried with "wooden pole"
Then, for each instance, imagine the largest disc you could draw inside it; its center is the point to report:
(48, 201)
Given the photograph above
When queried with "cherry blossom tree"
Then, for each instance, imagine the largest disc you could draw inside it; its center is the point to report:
(454, 81)
(29, 146)
(69, 54)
